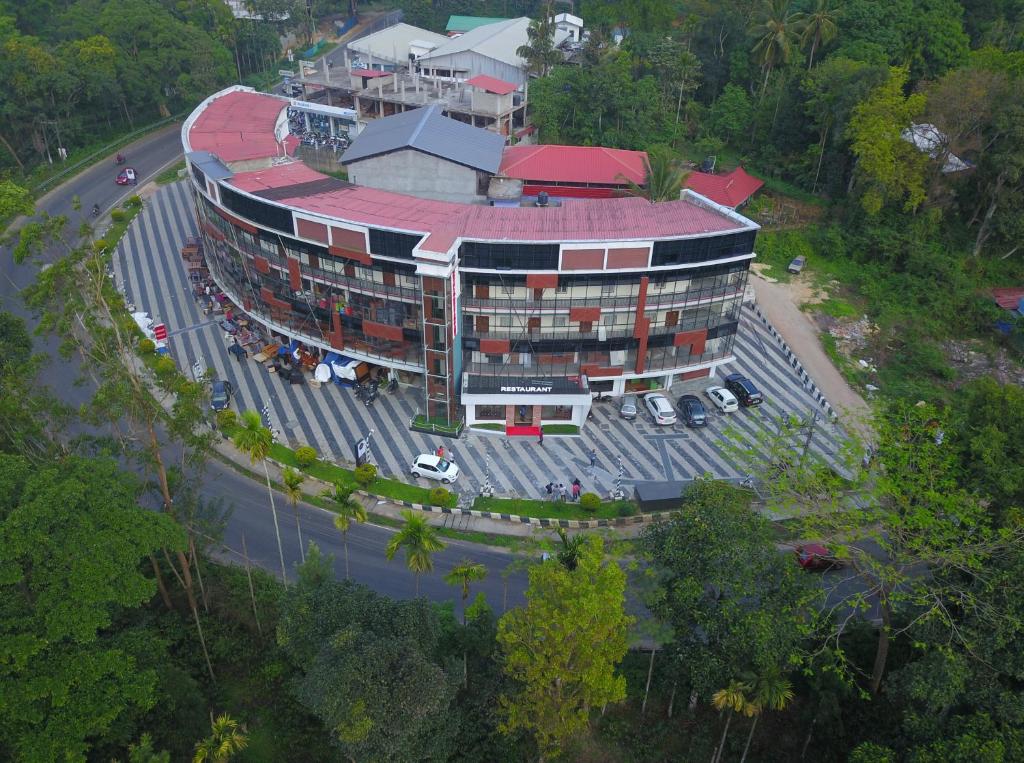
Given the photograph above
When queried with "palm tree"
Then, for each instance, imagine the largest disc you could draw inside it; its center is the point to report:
(569, 554)
(348, 510)
(293, 480)
(539, 51)
(776, 28)
(462, 574)
(663, 177)
(419, 540)
(254, 439)
(772, 691)
(819, 27)
(226, 740)
(733, 698)
(465, 572)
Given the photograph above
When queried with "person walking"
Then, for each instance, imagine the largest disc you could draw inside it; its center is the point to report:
(440, 451)
(576, 489)
(550, 487)
(562, 492)
(540, 437)
(593, 458)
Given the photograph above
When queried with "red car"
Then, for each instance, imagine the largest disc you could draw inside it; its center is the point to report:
(814, 556)
(127, 176)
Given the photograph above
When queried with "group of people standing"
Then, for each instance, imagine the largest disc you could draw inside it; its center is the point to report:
(560, 492)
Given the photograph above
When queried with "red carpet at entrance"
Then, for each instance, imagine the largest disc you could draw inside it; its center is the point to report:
(522, 431)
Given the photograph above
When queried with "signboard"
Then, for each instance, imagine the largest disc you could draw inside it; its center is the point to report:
(160, 332)
(285, 73)
(307, 64)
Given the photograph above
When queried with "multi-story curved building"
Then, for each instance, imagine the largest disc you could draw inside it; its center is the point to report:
(509, 315)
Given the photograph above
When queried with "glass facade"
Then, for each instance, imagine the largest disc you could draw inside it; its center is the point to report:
(499, 324)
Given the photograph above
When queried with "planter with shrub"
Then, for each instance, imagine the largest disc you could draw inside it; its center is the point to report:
(305, 456)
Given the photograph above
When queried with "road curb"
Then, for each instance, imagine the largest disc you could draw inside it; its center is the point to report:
(793, 361)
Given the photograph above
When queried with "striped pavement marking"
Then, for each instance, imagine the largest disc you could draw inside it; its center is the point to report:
(149, 266)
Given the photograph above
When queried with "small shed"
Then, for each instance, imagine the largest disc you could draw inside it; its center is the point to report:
(661, 496)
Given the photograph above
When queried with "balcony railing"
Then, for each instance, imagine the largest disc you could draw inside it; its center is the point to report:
(654, 299)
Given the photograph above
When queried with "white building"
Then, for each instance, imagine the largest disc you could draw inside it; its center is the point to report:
(570, 25)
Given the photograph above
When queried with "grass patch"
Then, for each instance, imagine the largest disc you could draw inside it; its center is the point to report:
(489, 427)
(527, 507)
(835, 307)
(341, 174)
(435, 425)
(560, 429)
(778, 248)
(170, 175)
(849, 372)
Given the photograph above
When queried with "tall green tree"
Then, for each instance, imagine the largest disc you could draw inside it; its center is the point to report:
(254, 439)
(420, 542)
(462, 574)
(72, 541)
(817, 28)
(770, 690)
(347, 510)
(888, 522)
(227, 739)
(889, 168)
(563, 647)
(734, 698)
(292, 480)
(728, 618)
(776, 28)
(539, 51)
(367, 667)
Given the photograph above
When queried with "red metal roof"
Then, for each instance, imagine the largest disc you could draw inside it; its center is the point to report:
(573, 164)
(230, 126)
(491, 84)
(238, 126)
(730, 189)
(623, 219)
(371, 73)
(1008, 297)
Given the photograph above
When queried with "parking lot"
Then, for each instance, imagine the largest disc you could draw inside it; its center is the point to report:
(149, 268)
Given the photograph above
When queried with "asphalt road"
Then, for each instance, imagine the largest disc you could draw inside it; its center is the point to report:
(250, 513)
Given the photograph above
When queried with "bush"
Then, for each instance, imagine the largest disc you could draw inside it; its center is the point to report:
(590, 502)
(226, 419)
(626, 510)
(133, 202)
(118, 215)
(365, 475)
(440, 496)
(164, 365)
(147, 346)
(305, 456)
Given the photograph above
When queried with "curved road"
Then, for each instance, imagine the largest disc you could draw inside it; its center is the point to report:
(250, 511)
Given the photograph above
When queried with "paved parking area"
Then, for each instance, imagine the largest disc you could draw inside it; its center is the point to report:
(148, 267)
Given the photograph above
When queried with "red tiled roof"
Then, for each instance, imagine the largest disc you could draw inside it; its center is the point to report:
(371, 73)
(238, 126)
(591, 220)
(730, 190)
(1008, 297)
(491, 84)
(573, 164)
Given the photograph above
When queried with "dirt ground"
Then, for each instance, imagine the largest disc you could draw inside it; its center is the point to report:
(781, 303)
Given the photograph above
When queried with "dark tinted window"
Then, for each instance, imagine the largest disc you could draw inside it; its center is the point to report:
(688, 250)
(390, 244)
(260, 213)
(509, 256)
(200, 177)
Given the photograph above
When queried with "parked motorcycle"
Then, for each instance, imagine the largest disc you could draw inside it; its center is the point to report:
(95, 210)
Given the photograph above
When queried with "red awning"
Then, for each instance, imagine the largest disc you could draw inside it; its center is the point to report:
(491, 84)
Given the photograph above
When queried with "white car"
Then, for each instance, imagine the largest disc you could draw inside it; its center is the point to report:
(660, 408)
(435, 468)
(723, 399)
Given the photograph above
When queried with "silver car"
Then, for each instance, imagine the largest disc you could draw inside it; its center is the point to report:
(627, 407)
